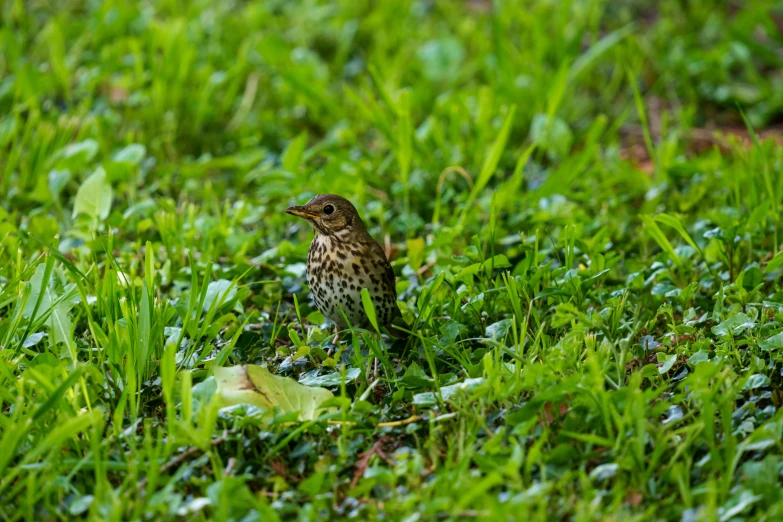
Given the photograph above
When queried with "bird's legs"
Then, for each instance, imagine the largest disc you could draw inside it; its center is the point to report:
(335, 341)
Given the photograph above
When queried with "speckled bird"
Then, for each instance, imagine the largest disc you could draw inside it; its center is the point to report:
(343, 259)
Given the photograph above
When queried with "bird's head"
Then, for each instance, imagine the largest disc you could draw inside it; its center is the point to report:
(330, 215)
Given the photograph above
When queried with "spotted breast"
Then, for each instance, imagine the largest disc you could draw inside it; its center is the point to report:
(337, 270)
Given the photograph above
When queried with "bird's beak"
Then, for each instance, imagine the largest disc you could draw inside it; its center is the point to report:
(301, 212)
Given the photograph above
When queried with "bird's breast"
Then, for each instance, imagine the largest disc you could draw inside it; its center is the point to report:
(336, 273)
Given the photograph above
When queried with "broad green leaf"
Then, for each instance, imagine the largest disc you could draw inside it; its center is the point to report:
(94, 196)
(60, 325)
(737, 504)
(38, 287)
(757, 380)
(498, 330)
(496, 262)
(258, 387)
(219, 292)
(80, 505)
(667, 362)
(447, 392)
(604, 471)
(330, 379)
(33, 339)
(773, 343)
(775, 263)
(752, 277)
(441, 58)
(552, 135)
(698, 357)
(676, 224)
(735, 324)
(466, 274)
(415, 378)
(57, 181)
(656, 234)
(132, 154)
(199, 394)
(56, 306)
(415, 252)
(76, 155)
(316, 318)
(294, 152)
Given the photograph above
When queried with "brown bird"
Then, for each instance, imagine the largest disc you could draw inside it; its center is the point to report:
(343, 259)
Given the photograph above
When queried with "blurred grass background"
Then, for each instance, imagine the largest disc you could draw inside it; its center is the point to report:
(580, 198)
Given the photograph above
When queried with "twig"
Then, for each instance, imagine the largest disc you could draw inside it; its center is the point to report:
(364, 461)
(389, 424)
(403, 422)
(424, 268)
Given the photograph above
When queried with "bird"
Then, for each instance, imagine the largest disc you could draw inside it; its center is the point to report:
(342, 260)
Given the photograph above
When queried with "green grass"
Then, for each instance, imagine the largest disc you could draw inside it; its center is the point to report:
(592, 275)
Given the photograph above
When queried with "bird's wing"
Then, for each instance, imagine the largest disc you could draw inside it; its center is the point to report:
(388, 274)
(389, 280)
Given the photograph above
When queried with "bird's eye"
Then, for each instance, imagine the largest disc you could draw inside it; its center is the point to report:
(328, 209)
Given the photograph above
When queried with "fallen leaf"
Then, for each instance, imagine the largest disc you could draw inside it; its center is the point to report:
(255, 385)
